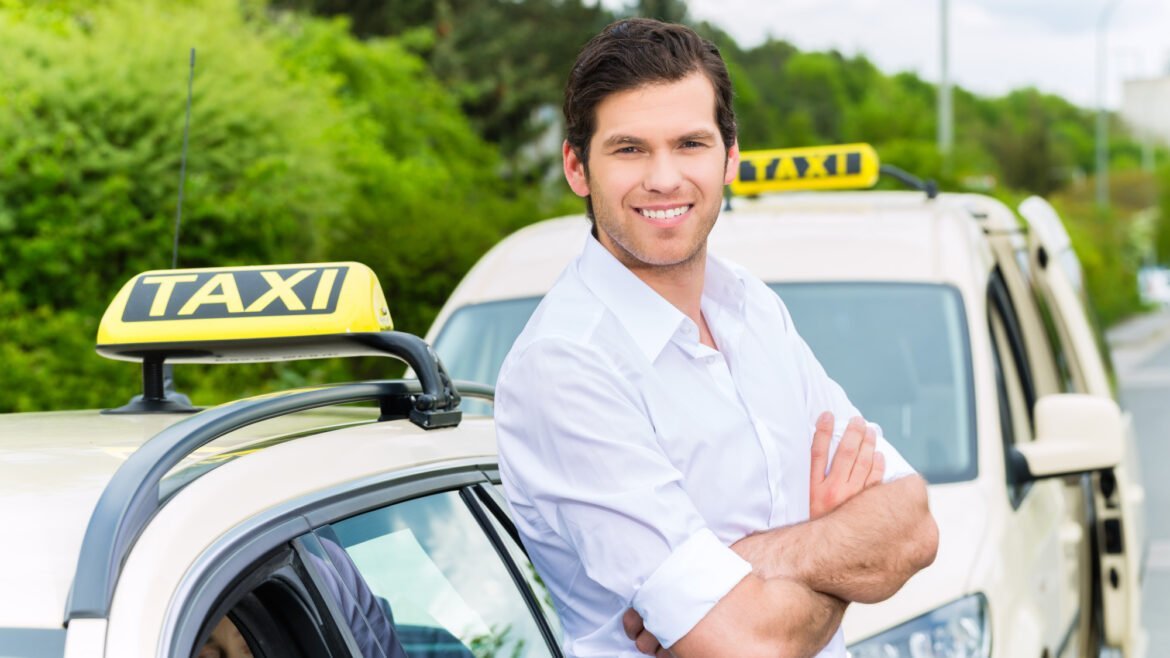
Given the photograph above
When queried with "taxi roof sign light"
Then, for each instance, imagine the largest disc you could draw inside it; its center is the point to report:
(838, 167)
(265, 313)
(257, 313)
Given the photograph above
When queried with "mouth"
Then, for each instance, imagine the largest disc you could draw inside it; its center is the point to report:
(666, 215)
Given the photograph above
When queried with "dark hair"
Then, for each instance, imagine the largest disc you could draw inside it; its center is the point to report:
(634, 52)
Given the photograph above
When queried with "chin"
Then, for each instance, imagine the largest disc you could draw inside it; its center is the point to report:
(667, 258)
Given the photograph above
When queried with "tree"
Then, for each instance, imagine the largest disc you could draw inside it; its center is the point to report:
(306, 144)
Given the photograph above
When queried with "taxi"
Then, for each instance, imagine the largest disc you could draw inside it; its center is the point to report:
(354, 519)
(960, 327)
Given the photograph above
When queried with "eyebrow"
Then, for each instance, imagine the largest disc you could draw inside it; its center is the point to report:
(623, 140)
(630, 140)
(698, 135)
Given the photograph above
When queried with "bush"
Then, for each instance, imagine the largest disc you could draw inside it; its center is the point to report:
(305, 144)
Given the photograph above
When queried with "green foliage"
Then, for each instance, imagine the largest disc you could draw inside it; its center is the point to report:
(412, 147)
(1110, 245)
(1162, 231)
(503, 61)
(305, 145)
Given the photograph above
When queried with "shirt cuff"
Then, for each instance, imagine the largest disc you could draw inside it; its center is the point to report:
(684, 588)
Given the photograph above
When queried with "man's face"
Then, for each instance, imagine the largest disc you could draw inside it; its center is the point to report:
(657, 167)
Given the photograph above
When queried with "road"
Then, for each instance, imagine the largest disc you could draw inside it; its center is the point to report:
(1141, 354)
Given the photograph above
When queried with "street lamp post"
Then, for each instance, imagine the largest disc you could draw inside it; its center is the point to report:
(946, 135)
(1102, 115)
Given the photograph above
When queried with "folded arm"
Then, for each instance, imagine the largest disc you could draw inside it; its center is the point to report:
(864, 550)
(764, 617)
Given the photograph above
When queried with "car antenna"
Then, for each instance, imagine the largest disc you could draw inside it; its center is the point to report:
(158, 382)
(183, 164)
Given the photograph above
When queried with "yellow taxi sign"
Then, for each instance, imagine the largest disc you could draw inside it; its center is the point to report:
(846, 166)
(241, 313)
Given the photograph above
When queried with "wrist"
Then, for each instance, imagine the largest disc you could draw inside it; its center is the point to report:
(772, 555)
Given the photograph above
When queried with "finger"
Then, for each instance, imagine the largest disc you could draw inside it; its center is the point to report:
(847, 450)
(878, 472)
(822, 437)
(864, 463)
(663, 653)
(632, 622)
(647, 643)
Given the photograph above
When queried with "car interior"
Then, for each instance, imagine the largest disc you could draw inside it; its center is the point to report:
(279, 616)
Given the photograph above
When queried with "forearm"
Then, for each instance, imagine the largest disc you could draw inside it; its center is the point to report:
(765, 617)
(864, 550)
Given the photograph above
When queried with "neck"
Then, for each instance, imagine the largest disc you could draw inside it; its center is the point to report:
(680, 284)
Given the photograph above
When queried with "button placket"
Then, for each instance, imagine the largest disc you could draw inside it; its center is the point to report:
(767, 445)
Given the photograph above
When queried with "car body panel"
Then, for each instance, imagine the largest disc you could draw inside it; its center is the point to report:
(244, 489)
(53, 468)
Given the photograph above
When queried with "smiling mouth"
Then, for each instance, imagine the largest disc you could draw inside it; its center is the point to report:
(666, 214)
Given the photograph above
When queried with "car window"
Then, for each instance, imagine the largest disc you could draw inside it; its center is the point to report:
(275, 610)
(1015, 409)
(901, 352)
(477, 337)
(498, 508)
(32, 642)
(1012, 340)
(1054, 343)
(440, 581)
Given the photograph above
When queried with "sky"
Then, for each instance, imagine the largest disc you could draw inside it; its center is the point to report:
(995, 45)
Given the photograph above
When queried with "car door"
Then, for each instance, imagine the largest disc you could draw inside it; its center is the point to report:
(1046, 539)
(1118, 494)
(421, 565)
(434, 576)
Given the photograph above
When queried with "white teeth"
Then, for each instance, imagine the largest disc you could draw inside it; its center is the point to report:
(664, 214)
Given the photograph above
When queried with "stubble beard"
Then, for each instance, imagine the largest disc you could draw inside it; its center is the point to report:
(626, 249)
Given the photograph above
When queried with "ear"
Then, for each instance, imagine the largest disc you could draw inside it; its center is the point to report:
(574, 170)
(732, 163)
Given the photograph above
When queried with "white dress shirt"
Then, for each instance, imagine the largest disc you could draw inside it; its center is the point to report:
(633, 455)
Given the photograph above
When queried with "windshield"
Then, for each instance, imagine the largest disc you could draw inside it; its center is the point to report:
(900, 351)
(477, 337)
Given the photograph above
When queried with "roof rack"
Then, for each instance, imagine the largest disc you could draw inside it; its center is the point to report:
(901, 175)
(133, 494)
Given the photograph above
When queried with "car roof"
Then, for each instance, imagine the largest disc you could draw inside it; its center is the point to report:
(54, 467)
(818, 236)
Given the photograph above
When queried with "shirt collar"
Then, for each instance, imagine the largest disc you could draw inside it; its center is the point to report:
(646, 316)
(724, 286)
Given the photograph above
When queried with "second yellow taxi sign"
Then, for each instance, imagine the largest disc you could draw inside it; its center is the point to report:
(844, 166)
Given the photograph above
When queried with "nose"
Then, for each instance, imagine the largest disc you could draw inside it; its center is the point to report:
(663, 173)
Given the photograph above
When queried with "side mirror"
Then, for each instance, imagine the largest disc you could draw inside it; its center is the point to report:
(1074, 434)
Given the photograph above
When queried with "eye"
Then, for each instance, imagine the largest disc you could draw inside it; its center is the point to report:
(627, 149)
(692, 144)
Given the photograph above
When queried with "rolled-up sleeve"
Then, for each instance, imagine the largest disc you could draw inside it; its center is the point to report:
(709, 570)
(578, 450)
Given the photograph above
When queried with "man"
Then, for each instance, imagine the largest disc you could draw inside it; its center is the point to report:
(226, 641)
(665, 434)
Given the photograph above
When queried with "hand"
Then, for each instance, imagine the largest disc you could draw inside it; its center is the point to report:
(856, 465)
(643, 639)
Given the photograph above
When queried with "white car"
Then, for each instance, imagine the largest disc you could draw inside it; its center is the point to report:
(1154, 285)
(289, 525)
(965, 337)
